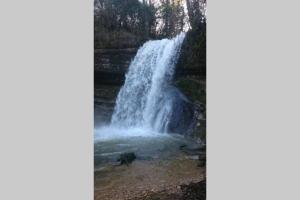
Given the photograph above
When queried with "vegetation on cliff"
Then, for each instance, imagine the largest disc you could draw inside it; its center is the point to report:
(193, 52)
(122, 23)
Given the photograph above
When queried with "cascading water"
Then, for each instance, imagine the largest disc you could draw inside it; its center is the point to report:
(143, 106)
(141, 101)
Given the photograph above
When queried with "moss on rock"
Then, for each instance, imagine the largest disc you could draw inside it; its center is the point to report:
(194, 89)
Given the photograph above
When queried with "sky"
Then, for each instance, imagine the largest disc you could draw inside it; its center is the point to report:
(156, 2)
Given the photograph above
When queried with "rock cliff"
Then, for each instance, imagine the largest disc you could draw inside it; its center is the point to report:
(110, 65)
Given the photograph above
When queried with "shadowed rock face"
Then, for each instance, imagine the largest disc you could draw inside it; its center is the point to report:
(182, 118)
(110, 65)
(104, 103)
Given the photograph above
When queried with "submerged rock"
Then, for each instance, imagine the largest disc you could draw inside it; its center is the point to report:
(127, 158)
(194, 157)
(193, 150)
(196, 153)
(202, 160)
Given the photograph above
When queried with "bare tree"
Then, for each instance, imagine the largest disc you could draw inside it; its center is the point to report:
(196, 11)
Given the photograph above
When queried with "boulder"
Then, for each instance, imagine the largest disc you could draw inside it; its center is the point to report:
(127, 158)
(182, 120)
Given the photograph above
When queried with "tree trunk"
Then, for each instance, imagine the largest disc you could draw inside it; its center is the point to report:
(190, 12)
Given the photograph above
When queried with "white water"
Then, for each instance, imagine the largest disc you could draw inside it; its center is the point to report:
(141, 108)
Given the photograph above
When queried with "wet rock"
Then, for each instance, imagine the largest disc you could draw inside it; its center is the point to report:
(193, 150)
(194, 191)
(127, 158)
(104, 103)
(195, 153)
(182, 118)
(110, 65)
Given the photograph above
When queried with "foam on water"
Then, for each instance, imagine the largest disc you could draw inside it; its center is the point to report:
(110, 132)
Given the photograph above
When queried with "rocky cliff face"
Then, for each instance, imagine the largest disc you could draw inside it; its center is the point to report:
(110, 65)
(194, 88)
(190, 76)
(192, 59)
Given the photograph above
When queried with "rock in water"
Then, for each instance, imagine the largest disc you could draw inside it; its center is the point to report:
(127, 158)
(202, 160)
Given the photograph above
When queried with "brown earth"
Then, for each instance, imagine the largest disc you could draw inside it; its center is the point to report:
(150, 179)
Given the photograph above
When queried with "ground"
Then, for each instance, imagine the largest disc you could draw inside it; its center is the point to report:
(149, 179)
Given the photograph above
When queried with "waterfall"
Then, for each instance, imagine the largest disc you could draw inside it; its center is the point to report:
(142, 101)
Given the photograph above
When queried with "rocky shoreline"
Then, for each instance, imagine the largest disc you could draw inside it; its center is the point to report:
(178, 179)
(192, 191)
